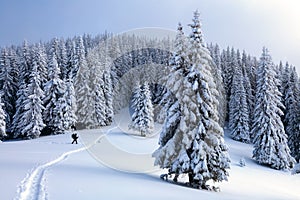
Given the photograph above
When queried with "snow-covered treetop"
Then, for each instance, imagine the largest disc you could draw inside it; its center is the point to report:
(196, 29)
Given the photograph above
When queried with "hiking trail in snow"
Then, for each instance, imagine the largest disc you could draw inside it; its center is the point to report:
(33, 185)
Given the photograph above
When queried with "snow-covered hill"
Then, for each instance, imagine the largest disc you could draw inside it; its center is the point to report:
(52, 168)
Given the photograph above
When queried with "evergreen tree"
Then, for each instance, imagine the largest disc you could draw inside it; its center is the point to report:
(25, 63)
(100, 104)
(55, 51)
(169, 102)
(239, 109)
(280, 71)
(228, 63)
(270, 140)
(200, 151)
(54, 90)
(72, 60)
(40, 57)
(17, 125)
(284, 86)
(69, 105)
(83, 90)
(292, 116)
(249, 93)
(217, 74)
(32, 122)
(9, 83)
(64, 60)
(108, 96)
(2, 121)
(97, 84)
(24, 71)
(142, 117)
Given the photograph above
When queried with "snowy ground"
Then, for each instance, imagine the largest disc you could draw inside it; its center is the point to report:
(52, 168)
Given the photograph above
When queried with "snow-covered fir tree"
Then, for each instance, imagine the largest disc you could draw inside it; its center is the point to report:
(9, 83)
(32, 121)
(69, 109)
(285, 81)
(171, 106)
(292, 114)
(142, 117)
(227, 69)
(249, 80)
(100, 104)
(280, 71)
(2, 121)
(40, 57)
(63, 60)
(24, 69)
(249, 92)
(73, 59)
(270, 140)
(83, 91)
(108, 96)
(25, 62)
(199, 149)
(239, 121)
(54, 90)
(97, 61)
(217, 74)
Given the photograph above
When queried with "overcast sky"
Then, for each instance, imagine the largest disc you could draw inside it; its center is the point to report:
(244, 24)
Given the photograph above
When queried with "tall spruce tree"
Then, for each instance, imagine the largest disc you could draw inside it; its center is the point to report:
(54, 90)
(94, 60)
(270, 140)
(169, 102)
(24, 71)
(199, 150)
(83, 91)
(40, 57)
(69, 107)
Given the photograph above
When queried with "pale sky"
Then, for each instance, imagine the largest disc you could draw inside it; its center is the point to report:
(244, 24)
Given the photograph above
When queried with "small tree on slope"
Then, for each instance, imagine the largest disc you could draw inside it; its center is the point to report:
(270, 140)
(142, 118)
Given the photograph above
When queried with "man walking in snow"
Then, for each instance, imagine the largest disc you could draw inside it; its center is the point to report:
(75, 137)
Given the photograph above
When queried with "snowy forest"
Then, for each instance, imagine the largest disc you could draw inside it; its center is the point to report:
(194, 89)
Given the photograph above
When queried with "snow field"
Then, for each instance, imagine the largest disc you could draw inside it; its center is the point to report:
(69, 173)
